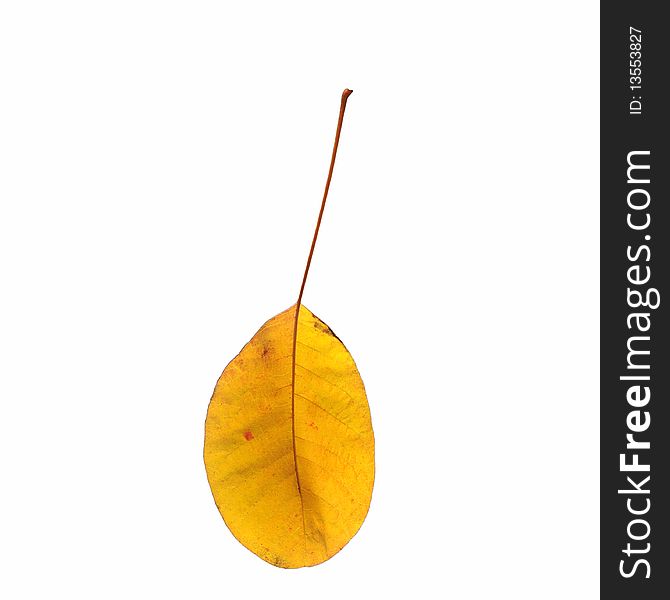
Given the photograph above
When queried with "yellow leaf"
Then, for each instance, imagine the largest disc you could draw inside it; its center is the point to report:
(291, 468)
(289, 449)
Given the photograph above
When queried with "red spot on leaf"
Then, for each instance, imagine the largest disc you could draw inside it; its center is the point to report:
(313, 425)
(248, 435)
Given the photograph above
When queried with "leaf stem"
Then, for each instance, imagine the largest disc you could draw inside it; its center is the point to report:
(343, 104)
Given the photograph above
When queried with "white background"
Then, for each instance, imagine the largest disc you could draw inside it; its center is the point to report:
(162, 165)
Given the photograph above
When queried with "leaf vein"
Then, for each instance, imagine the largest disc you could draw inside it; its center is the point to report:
(323, 379)
(358, 433)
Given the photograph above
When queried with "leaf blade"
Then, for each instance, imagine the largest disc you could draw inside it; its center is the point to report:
(250, 475)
